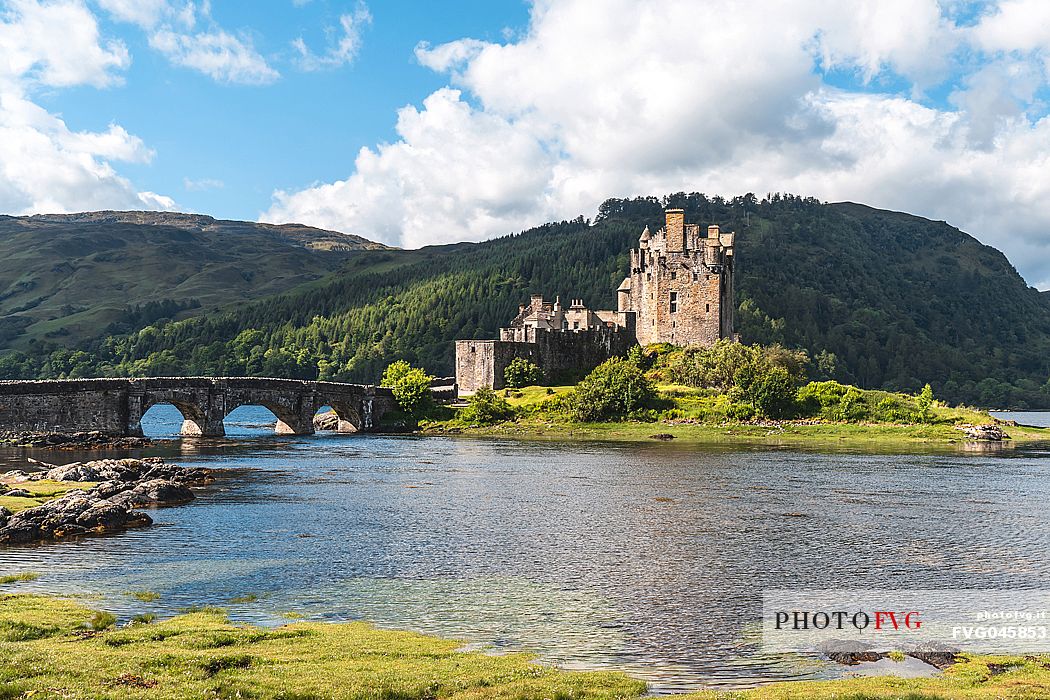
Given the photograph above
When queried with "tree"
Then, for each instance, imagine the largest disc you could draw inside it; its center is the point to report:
(924, 404)
(613, 390)
(410, 385)
(486, 407)
(520, 372)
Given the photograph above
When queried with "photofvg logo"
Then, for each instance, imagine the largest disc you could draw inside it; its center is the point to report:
(930, 620)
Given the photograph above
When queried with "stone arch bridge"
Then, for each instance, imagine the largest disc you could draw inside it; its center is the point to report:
(116, 406)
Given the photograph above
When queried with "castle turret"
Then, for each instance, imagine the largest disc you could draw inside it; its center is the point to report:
(674, 228)
(680, 289)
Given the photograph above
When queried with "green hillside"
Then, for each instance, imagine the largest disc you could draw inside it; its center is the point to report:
(68, 278)
(896, 299)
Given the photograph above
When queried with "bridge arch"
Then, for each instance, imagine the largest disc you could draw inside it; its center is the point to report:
(193, 417)
(290, 419)
(115, 406)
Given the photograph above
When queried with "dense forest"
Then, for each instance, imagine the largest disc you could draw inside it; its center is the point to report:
(887, 300)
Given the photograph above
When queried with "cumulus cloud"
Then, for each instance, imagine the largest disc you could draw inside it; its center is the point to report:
(30, 45)
(345, 48)
(723, 97)
(44, 165)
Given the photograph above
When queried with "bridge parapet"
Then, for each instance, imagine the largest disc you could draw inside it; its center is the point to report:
(116, 405)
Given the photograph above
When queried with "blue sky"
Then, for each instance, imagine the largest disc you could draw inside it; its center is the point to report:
(415, 123)
(303, 127)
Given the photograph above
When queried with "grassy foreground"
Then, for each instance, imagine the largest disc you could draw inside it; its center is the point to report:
(696, 418)
(39, 492)
(56, 648)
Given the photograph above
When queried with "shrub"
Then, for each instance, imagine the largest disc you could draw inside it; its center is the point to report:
(613, 390)
(486, 407)
(410, 385)
(102, 620)
(821, 398)
(769, 390)
(717, 367)
(520, 372)
(850, 407)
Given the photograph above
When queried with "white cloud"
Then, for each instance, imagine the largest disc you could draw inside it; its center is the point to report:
(1015, 26)
(145, 13)
(202, 184)
(223, 56)
(44, 165)
(57, 44)
(345, 48)
(457, 174)
(723, 97)
(217, 54)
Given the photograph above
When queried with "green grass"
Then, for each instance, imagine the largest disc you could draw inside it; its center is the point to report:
(56, 648)
(698, 416)
(23, 576)
(144, 596)
(44, 653)
(40, 492)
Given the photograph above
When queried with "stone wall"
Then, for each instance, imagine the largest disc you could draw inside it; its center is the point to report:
(64, 406)
(559, 355)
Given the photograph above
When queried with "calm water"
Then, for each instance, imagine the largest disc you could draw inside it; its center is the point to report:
(649, 558)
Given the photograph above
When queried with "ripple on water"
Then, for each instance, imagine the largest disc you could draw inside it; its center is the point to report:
(645, 557)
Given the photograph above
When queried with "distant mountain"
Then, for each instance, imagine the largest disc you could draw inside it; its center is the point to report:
(67, 278)
(888, 299)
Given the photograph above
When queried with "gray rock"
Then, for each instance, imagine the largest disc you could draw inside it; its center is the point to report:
(326, 421)
(156, 492)
(103, 516)
(110, 488)
(124, 485)
(17, 493)
(991, 433)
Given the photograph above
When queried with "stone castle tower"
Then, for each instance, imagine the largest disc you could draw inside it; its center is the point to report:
(681, 284)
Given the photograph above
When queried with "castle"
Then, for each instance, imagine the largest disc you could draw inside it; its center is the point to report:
(679, 291)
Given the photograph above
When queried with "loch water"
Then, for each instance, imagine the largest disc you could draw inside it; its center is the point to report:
(644, 557)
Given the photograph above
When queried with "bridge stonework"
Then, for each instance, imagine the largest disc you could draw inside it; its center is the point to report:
(116, 406)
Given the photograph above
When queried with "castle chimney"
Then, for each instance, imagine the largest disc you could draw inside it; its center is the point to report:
(537, 302)
(675, 228)
(712, 231)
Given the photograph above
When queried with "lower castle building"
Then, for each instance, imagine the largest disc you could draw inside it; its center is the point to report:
(679, 291)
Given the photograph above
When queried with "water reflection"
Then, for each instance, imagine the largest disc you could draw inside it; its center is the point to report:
(647, 557)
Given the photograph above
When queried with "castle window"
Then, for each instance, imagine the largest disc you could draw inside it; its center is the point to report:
(672, 274)
(473, 349)
(576, 325)
(708, 308)
(674, 302)
(696, 277)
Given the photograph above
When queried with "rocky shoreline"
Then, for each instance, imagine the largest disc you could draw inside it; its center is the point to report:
(86, 440)
(118, 488)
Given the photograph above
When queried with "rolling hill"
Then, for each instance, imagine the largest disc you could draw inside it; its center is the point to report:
(890, 300)
(67, 277)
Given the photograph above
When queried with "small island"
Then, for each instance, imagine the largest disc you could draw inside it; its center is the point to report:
(727, 393)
